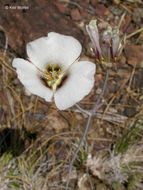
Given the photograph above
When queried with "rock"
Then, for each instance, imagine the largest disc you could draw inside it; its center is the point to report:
(62, 7)
(138, 15)
(134, 55)
(128, 25)
(75, 15)
(100, 9)
(94, 2)
(56, 122)
(116, 11)
(138, 80)
(35, 20)
(129, 111)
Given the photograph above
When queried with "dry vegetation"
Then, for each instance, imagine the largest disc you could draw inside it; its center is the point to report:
(37, 141)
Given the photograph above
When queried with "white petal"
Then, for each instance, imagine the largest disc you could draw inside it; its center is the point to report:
(78, 84)
(54, 49)
(28, 75)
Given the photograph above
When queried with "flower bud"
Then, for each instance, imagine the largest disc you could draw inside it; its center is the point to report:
(94, 36)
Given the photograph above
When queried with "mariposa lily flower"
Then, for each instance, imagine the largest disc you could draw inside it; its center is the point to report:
(107, 45)
(53, 70)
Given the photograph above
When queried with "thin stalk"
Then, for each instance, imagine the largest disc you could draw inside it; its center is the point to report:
(102, 92)
(95, 108)
(77, 150)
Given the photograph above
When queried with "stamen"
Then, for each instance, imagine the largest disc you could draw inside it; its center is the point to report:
(52, 76)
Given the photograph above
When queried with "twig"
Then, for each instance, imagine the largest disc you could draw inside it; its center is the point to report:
(108, 116)
(86, 128)
(83, 110)
(121, 20)
(134, 33)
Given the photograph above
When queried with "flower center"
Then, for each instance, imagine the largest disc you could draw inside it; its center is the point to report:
(53, 75)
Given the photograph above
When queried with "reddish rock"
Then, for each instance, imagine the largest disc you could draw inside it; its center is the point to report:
(94, 2)
(84, 4)
(75, 15)
(127, 25)
(134, 55)
(62, 7)
(100, 9)
(40, 17)
(84, 13)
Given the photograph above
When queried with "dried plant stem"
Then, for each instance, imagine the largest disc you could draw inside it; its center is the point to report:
(86, 128)
(134, 33)
(121, 20)
(83, 110)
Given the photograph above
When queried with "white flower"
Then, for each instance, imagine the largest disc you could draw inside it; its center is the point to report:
(53, 70)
